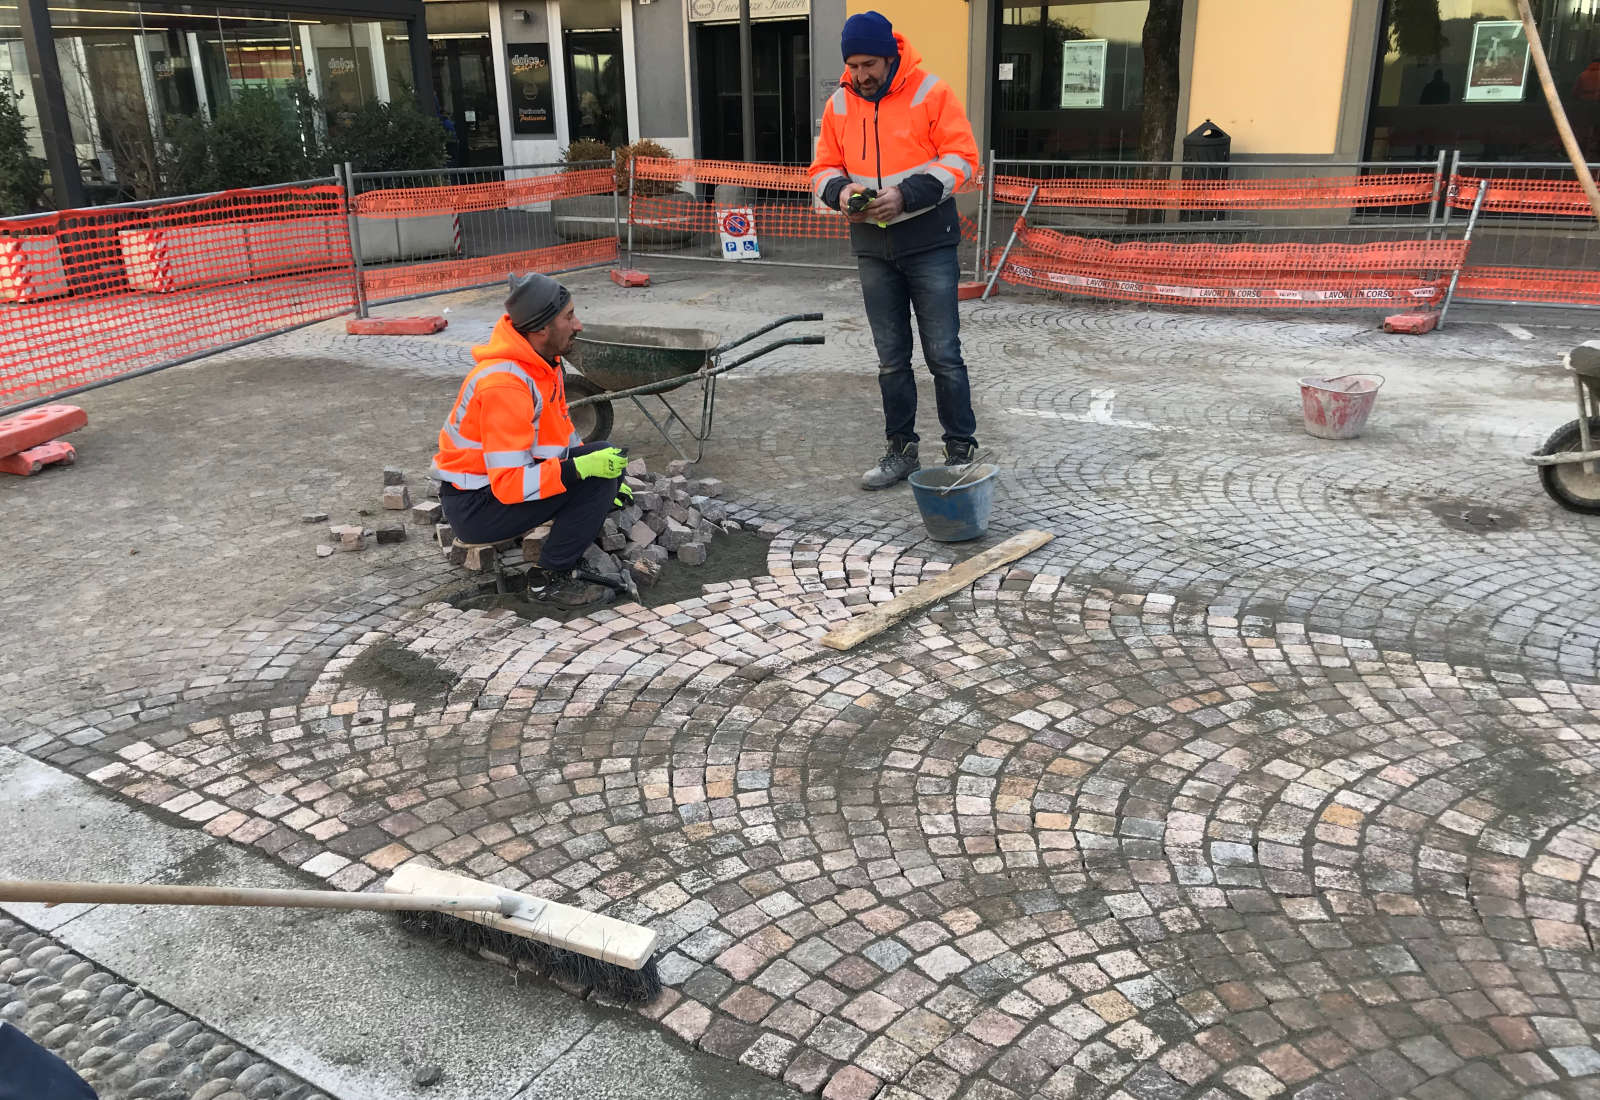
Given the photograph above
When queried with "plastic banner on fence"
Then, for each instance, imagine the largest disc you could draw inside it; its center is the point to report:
(1383, 274)
(403, 202)
(430, 278)
(1337, 192)
(1554, 286)
(1513, 196)
(90, 295)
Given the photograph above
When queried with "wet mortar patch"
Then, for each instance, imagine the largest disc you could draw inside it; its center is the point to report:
(1474, 518)
(738, 556)
(399, 673)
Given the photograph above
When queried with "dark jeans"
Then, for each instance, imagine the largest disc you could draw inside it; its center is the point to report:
(477, 515)
(892, 288)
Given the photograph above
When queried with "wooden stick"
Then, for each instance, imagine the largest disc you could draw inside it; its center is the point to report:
(484, 898)
(1557, 111)
(879, 619)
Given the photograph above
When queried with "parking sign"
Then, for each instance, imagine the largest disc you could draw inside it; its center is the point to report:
(738, 229)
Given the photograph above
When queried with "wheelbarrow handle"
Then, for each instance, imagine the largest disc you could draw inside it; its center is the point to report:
(779, 323)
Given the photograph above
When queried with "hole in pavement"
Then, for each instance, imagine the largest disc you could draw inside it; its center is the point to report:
(1474, 518)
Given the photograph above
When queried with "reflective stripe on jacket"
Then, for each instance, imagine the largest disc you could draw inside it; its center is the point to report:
(917, 128)
(509, 428)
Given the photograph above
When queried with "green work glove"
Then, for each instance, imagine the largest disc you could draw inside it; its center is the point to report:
(604, 463)
(624, 496)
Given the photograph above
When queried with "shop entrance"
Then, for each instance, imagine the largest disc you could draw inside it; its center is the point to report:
(463, 80)
(597, 100)
(782, 61)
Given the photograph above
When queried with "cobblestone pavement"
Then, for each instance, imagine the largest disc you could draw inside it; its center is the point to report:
(123, 1042)
(1271, 775)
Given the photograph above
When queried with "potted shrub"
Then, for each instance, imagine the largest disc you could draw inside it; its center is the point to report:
(668, 220)
(586, 217)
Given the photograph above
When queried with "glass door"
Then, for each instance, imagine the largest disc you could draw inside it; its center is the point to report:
(597, 103)
(463, 80)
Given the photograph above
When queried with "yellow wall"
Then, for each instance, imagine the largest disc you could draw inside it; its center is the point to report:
(1271, 72)
(937, 29)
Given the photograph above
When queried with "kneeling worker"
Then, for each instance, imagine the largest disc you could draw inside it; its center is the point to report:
(509, 458)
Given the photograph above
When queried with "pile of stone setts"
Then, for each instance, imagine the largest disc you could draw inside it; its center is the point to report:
(355, 536)
(672, 515)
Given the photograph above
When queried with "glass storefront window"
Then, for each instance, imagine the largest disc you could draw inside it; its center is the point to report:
(597, 102)
(1473, 90)
(463, 82)
(1071, 78)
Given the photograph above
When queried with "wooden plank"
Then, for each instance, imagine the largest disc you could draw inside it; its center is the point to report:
(881, 618)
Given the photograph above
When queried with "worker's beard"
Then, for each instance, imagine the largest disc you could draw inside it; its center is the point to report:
(868, 89)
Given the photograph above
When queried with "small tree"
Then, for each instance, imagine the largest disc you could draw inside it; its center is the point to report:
(388, 137)
(21, 174)
(1158, 121)
(255, 140)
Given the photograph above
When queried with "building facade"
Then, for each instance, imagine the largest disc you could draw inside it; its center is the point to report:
(516, 81)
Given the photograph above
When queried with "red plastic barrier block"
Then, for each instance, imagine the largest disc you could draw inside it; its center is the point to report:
(31, 461)
(29, 429)
(395, 326)
(1411, 324)
(965, 292)
(628, 276)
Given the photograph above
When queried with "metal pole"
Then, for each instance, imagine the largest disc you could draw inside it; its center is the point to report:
(616, 213)
(1001, 266)
(747, 84)
(1450, 187)
(630, 212)
(354, 222)
(1455, 276)
(55, 124)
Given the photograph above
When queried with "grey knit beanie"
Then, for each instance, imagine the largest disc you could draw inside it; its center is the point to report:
(535, 300)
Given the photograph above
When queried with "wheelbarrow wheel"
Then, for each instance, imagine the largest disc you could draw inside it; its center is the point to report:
(1566, 482)
(592, 421)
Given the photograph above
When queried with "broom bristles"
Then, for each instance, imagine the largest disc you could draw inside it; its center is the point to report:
(608, 979)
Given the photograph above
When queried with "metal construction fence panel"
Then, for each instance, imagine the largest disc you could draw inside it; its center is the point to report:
(420, 233)
(679, 209)
(100, 293)
(1537, 241)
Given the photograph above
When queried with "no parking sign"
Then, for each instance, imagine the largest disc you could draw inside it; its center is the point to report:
(738, 229)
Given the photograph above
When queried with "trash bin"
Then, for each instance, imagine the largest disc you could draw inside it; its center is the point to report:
(1206, 149)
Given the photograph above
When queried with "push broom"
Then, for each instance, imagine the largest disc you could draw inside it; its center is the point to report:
(570, 944)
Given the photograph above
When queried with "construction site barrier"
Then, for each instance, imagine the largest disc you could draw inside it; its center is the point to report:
(1385, 274)
(1513, 196)
(94, 294)
(494, 195)
(434, 278)
(1322, 193)
(1541, 285)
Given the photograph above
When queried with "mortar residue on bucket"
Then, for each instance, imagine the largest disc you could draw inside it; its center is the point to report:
(1337, 408)
(960, 513)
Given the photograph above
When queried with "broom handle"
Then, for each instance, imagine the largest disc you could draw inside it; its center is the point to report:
(138, 893)
(1557, 112)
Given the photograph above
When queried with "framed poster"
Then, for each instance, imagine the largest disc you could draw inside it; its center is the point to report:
(1497, 67)
(532, 95)
(1083, 73)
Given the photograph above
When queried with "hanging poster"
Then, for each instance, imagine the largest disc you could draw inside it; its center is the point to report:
(1083, 73)
(532, 96)
(1497, 71)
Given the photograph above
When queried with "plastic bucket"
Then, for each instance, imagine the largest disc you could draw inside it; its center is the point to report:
(963, 512)
(1337, 408)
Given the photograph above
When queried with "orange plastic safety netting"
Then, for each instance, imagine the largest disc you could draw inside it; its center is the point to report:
(428, 278)
(770, 177)
(1380, 274)
(402, 202)
(88, 295)
(1398, 189)
(1514, 196)
(1557, 286)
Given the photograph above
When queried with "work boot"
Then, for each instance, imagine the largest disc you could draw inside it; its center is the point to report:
(895, 466)
(562, 589)
(960, 454)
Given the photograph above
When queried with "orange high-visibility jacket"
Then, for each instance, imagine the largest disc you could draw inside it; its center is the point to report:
(917, 128)
(509, 428)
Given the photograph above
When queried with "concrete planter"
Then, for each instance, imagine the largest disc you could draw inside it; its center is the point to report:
(385, 238)
(587, 217)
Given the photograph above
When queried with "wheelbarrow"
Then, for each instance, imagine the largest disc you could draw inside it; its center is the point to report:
(616, 361)
(1569, 461)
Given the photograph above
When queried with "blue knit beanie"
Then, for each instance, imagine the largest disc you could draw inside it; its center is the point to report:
(868, 33)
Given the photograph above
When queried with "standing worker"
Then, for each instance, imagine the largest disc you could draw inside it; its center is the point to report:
(897, 137)
(509, 458)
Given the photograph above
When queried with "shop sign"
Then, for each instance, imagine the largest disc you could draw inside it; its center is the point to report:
(1083, 73)
(1498, 69)
(532, 95)
(727, 11)
(738, 229)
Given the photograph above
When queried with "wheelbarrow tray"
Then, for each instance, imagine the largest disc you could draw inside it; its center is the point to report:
(620, 357)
